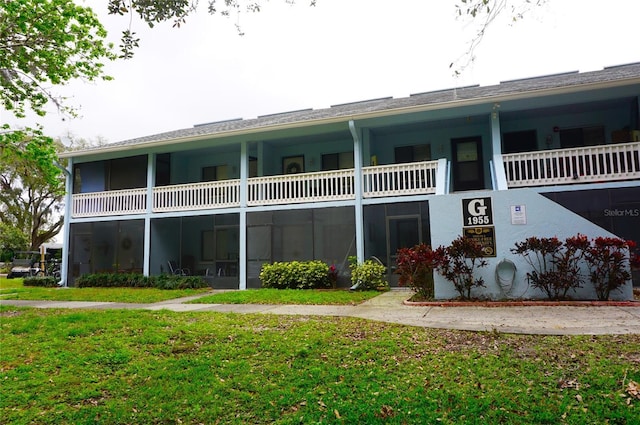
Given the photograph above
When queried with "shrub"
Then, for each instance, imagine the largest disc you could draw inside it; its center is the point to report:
(113, 280)
(295, 275)
(607, 262)
(368, 276)
(135, 280)
(457, 263)
(45, 282)
(556, 268)
(167, 281)
(415, 267)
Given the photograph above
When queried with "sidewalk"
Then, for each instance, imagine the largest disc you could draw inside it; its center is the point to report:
(389, 307)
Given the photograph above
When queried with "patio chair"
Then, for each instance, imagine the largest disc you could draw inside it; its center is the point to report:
(174, 269)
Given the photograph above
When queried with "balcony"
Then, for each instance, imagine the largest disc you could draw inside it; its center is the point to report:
(593, 164)
(115, 202)
(298, 188)
(197, 196)
(400, 179)
(377, 181)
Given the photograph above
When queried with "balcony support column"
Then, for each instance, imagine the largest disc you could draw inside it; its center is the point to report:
(357, 182)
(151, 182)
(499, 175)
(242, 237)
(66, 226)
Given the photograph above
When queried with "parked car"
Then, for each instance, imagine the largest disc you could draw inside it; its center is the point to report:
(24, 264)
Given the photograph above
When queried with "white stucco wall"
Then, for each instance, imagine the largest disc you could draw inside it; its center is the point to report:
(545, 218)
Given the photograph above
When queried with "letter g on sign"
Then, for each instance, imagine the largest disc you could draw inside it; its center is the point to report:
(476, 207)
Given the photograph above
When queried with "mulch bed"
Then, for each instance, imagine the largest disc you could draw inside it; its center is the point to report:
(522, 303)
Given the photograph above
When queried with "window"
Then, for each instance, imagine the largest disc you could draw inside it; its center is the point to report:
(520, 141)
(337, 161)
(582, 136)
(215, 173)
(163, 169)
(413, 153)
(114, 174)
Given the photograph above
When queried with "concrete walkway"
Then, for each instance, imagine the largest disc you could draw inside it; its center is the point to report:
(389, 307)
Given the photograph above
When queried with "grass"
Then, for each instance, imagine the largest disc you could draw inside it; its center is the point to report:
(13, 289)
(123, 366)
(288, 296)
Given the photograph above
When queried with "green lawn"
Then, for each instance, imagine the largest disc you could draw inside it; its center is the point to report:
(161, 367)
(12, 289)
(288, 296)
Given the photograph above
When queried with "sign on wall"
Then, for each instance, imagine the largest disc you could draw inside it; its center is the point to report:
(477, 212)
(485, 236)
(518, 214)
(477, 217)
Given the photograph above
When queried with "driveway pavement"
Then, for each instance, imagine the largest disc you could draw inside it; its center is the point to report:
(389, 307)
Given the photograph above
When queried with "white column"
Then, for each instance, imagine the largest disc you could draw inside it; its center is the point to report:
(357, 160)
(242, 239)
(151, 182)
(66, 254)
(496, 149)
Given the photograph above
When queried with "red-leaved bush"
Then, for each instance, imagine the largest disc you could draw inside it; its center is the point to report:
(607, 262)
(556, 265)
(458, 262)
(415, 267)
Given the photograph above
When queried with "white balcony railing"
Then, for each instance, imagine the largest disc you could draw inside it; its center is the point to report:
(114, 202)
(385, 180)
(297, 188)
(197, 196)
(400, 179)
(577, 165)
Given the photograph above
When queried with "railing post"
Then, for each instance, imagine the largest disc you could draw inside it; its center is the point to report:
(499, 173)
(442, 177)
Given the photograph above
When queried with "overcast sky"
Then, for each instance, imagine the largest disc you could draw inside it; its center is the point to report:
(296, 57)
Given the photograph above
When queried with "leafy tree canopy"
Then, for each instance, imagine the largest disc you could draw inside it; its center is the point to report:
(31, 186)
(44, 43)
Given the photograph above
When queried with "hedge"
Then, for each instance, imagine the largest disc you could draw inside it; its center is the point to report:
(296, 275)
(133, 280)
(45, 282)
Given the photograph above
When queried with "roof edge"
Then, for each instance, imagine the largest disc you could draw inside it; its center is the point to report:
(360, 116)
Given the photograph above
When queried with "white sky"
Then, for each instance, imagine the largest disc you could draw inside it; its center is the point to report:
(296, 57)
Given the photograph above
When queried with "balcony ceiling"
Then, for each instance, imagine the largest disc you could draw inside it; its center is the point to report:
(572, 108)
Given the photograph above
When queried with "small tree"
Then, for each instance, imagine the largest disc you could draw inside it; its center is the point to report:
(458, 262)
(415, 267)
(608, 267)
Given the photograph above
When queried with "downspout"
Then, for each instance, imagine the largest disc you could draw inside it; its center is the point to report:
(64, 269)
(357, 160)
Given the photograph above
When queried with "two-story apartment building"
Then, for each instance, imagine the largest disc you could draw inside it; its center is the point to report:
(549, 156)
